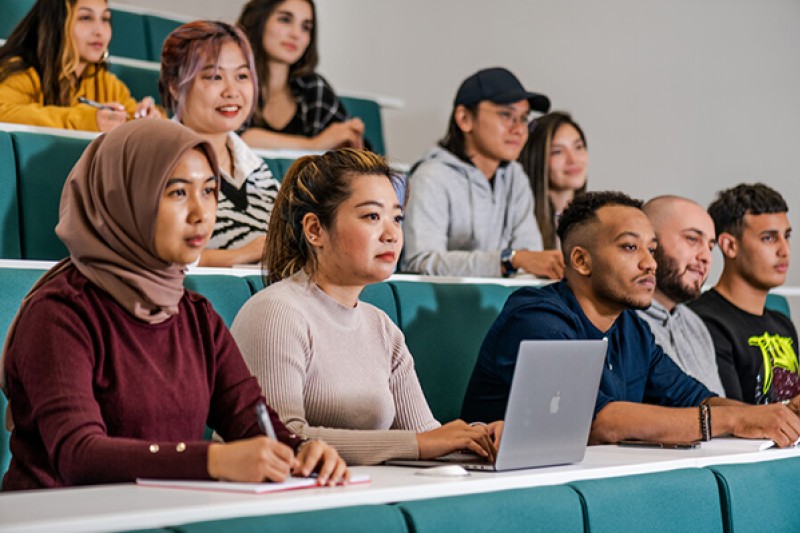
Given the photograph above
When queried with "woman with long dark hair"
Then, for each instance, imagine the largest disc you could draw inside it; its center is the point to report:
(53, 70)
(298, 108)
(556, 160)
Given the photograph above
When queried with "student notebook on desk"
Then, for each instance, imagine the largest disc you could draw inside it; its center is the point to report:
(292, 483)
(550, 407)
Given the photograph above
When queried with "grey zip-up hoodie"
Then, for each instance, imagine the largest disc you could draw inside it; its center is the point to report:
(458, 222)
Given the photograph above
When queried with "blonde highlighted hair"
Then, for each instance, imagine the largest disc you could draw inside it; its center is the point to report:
(70, 57)
(43, 41)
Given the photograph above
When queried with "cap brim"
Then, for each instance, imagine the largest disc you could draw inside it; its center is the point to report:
(538, 102)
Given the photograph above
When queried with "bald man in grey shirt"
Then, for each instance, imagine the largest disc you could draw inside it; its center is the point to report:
(686, 237)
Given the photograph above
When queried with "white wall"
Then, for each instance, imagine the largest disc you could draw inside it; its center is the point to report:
(675, 96)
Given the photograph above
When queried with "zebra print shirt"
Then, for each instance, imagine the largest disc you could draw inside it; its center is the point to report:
(245, 199)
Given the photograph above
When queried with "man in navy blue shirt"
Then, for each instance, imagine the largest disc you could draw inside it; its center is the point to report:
(608, 245)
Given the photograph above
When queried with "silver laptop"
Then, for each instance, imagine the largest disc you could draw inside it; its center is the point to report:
(550, 407)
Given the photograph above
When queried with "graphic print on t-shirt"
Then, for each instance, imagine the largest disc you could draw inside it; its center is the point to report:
(779, 379)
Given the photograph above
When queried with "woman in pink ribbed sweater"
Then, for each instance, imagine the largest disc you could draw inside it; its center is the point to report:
(337, 368)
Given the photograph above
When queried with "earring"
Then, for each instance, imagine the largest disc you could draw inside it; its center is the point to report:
(105, 56)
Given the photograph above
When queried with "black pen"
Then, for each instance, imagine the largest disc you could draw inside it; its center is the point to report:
(264, 422)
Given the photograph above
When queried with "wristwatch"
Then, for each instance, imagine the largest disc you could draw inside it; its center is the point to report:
(507, 262)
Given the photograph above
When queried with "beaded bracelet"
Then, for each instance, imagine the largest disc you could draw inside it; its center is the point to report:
(705, 422)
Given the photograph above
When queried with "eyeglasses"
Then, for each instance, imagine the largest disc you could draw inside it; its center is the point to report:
(509, 119)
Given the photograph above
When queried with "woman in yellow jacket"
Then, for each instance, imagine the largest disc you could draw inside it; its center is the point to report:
(55, 59)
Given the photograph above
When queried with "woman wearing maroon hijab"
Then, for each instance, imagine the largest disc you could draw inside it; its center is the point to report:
(112, 369)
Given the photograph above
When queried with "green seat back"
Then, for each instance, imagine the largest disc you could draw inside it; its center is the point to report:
(278, 166)
(539, 509)
(157, 30)
(444, 325)
(43, 164)
(226, 293)
(759, 496)
(359, 519)
(369, 111)
(381, 296)
(140, 81)
(13, 12)
(9, 209)
(14, 285)
(256, 282)
(777, 302)
(676, 500)
(129, 35)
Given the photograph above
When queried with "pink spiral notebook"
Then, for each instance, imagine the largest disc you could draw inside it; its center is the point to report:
(293, 483)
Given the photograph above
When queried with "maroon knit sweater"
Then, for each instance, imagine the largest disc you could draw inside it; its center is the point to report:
(98, 396)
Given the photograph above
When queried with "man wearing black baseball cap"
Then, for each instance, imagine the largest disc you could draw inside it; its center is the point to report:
(470, 206)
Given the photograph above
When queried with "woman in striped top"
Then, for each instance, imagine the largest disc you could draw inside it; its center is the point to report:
(208, 82)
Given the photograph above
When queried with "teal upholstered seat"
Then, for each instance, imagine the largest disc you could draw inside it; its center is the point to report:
(13, 12)
(779, 303)
(278, 166)
(10, 247)
(14, 285)
(140, 80)
(256, 282)
(369, 111)
(43, 164)
(759, 496)
(359, 519)
(444, 325)
(676, 500)
(129, 35)
(157, 30)
(545, 509)
(381, 296)
(226, 293)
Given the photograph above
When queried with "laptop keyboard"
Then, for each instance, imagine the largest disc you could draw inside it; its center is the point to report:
(464, 457)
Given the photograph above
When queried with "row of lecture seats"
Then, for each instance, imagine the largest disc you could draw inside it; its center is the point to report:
(716, 499)
(724, 498)
(428, 314)
(136, 54)
(136, 35)
(443, 323)
(33, 168)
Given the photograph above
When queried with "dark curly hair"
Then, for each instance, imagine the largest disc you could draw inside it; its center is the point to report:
(583, 209)
(731, 205)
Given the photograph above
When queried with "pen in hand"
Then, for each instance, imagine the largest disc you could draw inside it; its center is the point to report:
(97, 105)
(264, 422)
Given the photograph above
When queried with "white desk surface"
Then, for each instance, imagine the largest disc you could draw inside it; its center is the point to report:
(126, 506)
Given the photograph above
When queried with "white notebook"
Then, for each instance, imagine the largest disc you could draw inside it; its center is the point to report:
(292, 483)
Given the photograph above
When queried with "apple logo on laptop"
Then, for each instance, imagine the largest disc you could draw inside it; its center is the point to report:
(554, 401)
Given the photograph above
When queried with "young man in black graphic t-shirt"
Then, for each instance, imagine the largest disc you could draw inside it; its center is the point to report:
(756, 348)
